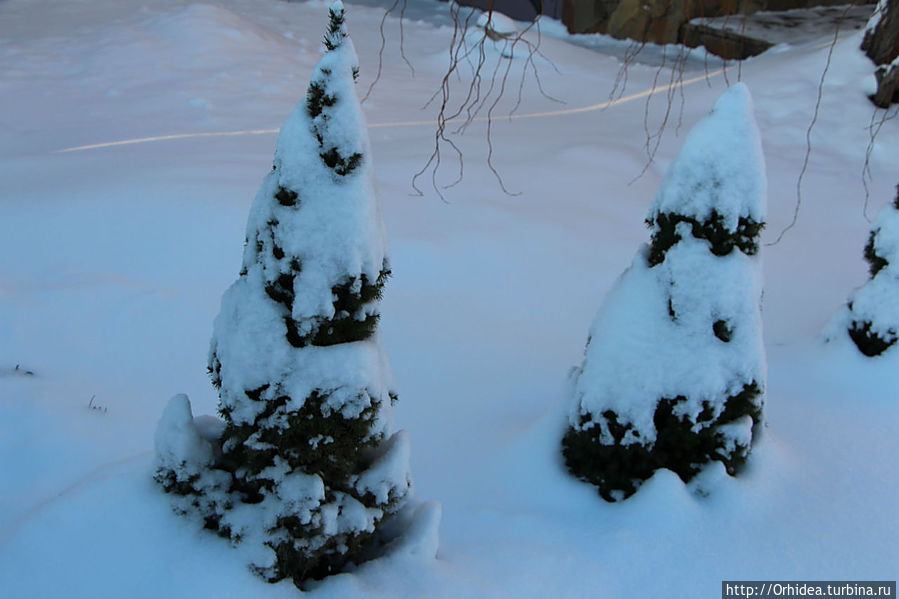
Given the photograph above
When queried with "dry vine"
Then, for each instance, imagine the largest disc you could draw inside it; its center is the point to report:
(470, 90)
(484, 90)
(874, 130)
(811, 126)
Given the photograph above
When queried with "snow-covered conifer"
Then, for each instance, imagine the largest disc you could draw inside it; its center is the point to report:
(874, 307)
(304, 384)
(674, 369)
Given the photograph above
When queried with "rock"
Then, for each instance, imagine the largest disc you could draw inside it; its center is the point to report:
(887, 85)
(881, 44)
(662, 21)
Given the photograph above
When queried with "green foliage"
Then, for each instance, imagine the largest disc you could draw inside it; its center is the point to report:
(875, 262)
(312, 438)
(171, 484)
(722, 330)
(330, 558)
(722, 241)
(336, 31)
(286, 197)
(342, 165)
(681, 445)
(352, 320)
(868, 342)
(317, 99)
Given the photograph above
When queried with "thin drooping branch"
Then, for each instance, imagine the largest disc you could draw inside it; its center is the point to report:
(480, 87)
(673, 89)
(402, 19)
(811, 126)
(874, 128)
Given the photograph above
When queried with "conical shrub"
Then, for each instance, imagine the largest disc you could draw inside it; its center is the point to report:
(305, 467)
(874, 307)
(674, 369)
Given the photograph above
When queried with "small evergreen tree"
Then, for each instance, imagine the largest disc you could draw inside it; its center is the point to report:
(874, 307)
(305, 467)
(674, 370)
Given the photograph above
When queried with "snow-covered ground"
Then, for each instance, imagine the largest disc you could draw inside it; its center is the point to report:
(113, 261)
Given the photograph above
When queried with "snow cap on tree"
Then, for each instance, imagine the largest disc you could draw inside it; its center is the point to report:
(717, 182)
(305, 389)
(674, 368)
(873, 310)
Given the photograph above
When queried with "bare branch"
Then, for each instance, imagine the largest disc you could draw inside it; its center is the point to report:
(808, 132)
(387, 13)
(874, 130)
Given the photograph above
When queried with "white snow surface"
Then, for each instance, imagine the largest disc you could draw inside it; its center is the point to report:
(113, 261)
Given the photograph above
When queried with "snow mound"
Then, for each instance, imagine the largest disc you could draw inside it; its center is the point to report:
(421, 537)
(180, 446)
